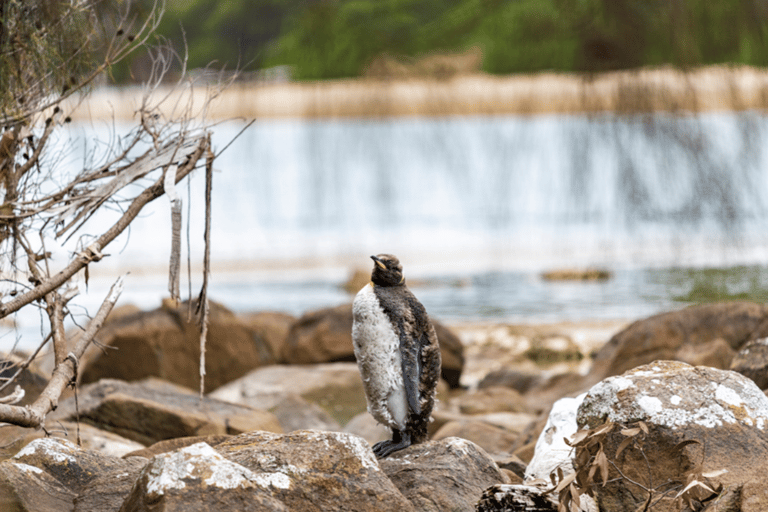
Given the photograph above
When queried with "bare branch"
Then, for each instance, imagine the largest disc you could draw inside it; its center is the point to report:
(63, 373)
(93, 251)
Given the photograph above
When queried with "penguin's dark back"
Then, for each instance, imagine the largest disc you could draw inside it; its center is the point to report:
(401, 305)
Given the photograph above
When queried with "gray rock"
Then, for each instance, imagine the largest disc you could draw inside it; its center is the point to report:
(197, 478)
(317, 471)
(150, 411)
(336, 387)
(449, 474)
(52, 472)
(752, 361)
(700, 420)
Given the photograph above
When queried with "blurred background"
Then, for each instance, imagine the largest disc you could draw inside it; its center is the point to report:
(527, 160)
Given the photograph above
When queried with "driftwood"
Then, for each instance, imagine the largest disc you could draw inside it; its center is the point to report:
(516, 498)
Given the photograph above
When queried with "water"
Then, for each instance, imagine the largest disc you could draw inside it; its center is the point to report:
(476, 208)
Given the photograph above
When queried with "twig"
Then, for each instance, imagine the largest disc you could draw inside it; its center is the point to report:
(34, 415)
(93, 251)
(202, 301)
(27, 362)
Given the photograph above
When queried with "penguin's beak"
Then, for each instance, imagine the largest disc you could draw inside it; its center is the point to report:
(381, 265)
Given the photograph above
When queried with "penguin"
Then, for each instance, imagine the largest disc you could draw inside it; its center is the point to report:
(397, 353)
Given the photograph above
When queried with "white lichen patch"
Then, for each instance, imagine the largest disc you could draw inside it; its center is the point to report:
(27, 468)
(57, 449)
(359, 448)
(201, 462)
(355, 444)
(459, 444)
(650, 404)
(678, 395)
(728, 395)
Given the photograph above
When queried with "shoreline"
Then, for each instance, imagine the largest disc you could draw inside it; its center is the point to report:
(707, 89)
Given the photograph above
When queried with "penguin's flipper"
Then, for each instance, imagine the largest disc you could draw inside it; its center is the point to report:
(410, 353)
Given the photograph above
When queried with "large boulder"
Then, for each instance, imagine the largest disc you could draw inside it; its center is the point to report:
(197, 478)
(491, 438)
(449, 474)
(706, 334)
(317, 471)
(336, 387)
(150, 411)
(272, 327)
(165, 343)
(752, 361)
(325, 335)
(54, 474)
(675, 423)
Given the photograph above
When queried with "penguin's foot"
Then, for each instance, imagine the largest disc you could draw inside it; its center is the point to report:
(400, 440)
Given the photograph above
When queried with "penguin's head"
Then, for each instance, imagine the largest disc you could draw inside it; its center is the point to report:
(387, 270)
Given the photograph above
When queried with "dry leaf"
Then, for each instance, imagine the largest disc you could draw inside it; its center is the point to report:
(577, 438)
(565, 482)
(602, 462)
(694, 484)
(642, 426)
(575, 496)
(604, 429)
(630, 431)
(622, 446)
(714, 474)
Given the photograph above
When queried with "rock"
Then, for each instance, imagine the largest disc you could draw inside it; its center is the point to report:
(336, 387)
(295, 413)
(574, 274)
(53, 472)
(25, 488)
(672, 335)
(752, 362)
(148, 411)
(699, 420)
(510, 378)
(551, 349)
(98, 440)
(272, 327)
(516, 498)
(197, 478)
(452, 353)
(489, 400)
(548, 391)
(359, 278)
(13, 439)
(31, 380)
(168, 346)
(320, 336)
(317, 471)
(449, 474)
(511, 463)
(325, 335)
(177, 443)
(551, 450)
(365, 426)
(492, 439)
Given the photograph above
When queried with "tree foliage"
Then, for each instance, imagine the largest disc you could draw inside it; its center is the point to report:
(339, 38)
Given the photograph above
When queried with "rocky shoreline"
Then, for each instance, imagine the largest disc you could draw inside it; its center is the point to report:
(283, 424)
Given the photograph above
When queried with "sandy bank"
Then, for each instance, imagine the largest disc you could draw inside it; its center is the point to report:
(645, 90)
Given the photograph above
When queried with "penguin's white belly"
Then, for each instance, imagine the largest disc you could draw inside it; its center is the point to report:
(377, 350)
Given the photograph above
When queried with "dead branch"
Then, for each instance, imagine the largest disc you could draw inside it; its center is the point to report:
(93, 251)
(63, 373)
